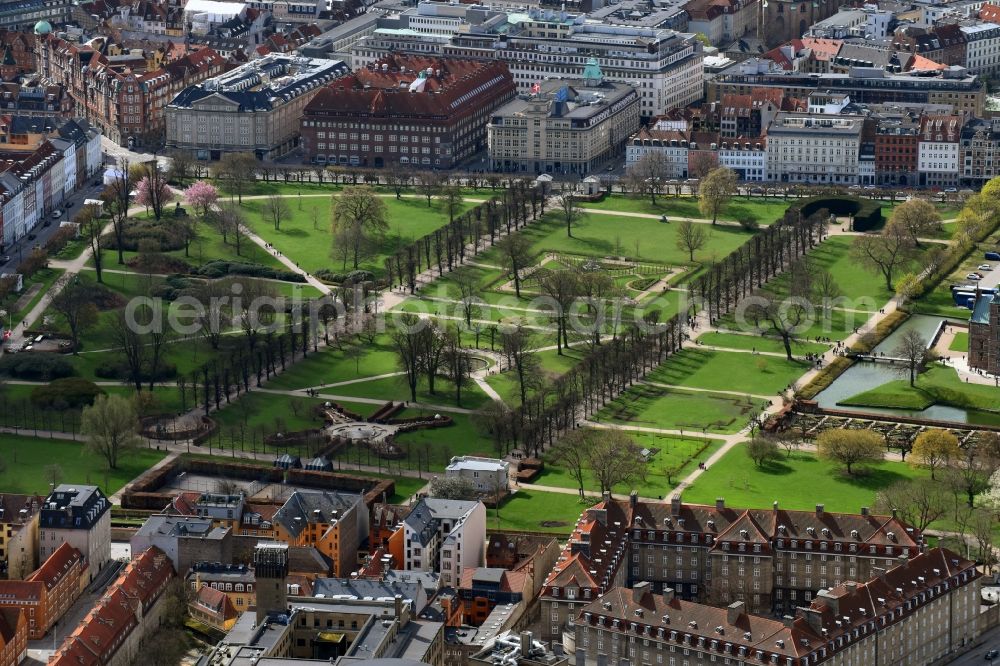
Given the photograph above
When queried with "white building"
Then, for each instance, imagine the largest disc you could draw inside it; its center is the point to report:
(747, 158)
(487, 475)
(671, 144)
(444, 536)
(982, 48)
(81, 517)
(809, 148)
(938, 150)
(203, 15)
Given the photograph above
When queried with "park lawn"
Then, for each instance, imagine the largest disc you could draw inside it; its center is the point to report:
(16, 409)
(762, 344)
(798, 482)
(675, 454)
(394, 388)
(270, 412)
(551, 366)
(438, 445)
(939, 301)
(960, 343)
(896, 394)
(538, 511)
(671, 409)
(27, 457)
(45, 277)
(764, 211)
(332, 365)
(938, 385)
(311, 247)
(834, 324)
(728, 371)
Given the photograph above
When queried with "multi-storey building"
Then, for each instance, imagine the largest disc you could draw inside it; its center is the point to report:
(938, 162)
(784, 20)
(48, 592)
(540, 44)
(984, 340)
(944, 43)
(770, 559)
(335, 523)
(13, 636)
(445, 536)
(428, 112)
(236, 581)
(979, 152)
(125, 102)
(112, 632)
(255, 108)
(19, 535)
(672, 145)
(81, 517)
(897, 149)
(918, 612)
(185, 540)
(568, 126)
(746, 157)
(814, 148)
(982, 48)
(722, 21)
(487, 475)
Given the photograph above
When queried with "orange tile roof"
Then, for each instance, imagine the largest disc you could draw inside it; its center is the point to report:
(56, 566)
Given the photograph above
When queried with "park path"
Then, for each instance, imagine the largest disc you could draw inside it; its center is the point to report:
(677, 387)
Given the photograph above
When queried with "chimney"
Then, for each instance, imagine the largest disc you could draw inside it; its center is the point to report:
(819, 510)
(398, 605)
(525, 643)
(734, 611)
(775, 505)
(606, 495)
(864, 511)
(788, 620)
(675, 505)
(720, 503)
(639, 590)
(633, 501)
(812, 616)
(668, 593)
(851, 586)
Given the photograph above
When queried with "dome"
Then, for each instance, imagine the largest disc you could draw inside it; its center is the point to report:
(43, 28)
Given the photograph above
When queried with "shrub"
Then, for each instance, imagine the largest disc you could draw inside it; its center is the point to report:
(353, 277)
(66, 393)
(59, 239)
(749, 223)
(218, 269)
(36, 366)
(119, 370)
(167, 233)
(867, 212)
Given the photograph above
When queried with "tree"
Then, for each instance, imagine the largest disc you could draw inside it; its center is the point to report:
(109, 426)
(451, 196)
(614, 459)
(202, 196)
(916, 217)
(182, 165)
(495, 420)
(152, 190)
(785, 316)
(562, 288)
(850, 447)
(76, 307)
(515, 341)
(648, 175)
(825, 289)
(571, 213)
(934, 448)
(237, 172)
(276, 210)
(457, 361)
(398, 177)
(918, 502)
(761, 450)
(968, 474)
(453, 488)
(883, 253)
(715, 191)
(702, 163)
(409, 350)
(231, 222)
(54, 474)
(429, 184)
(93, 230)
(468, 290)
(913, 350)
(515, 250)
(360, 218)
(691, 237)
(572, 453)
(131, 346)
(116, 198)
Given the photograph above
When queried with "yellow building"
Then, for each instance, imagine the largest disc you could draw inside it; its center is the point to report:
(19, 535)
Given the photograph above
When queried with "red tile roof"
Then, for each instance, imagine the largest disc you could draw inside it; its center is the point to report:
(56, 566)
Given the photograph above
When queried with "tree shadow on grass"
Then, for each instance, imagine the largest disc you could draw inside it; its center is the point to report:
(871, 478)
(295, 232)
(776, 468)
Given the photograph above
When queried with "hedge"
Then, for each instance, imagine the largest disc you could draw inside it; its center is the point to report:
(218, 269)
(36, 366)
(867, 212)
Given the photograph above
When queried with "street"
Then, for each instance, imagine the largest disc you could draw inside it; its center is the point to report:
(987, 641)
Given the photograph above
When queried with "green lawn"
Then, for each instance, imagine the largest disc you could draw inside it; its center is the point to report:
(798, 482)
(671, 409)
(311, 246)
(728, 371)
(960, 343)
(333, 364)
(25, 459)
(537, 511)
(45, 277)
(895, 395)
(394, 388)
(764, 211)
(938, 385)
(676, 455)
(761, 344)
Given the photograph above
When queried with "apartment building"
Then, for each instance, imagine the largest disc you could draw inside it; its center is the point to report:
(254, 108)
(13, 636)
(938, 163)
(917, 612)
(722, 21)
(185, 540)
(979, 152)
(982, 48)
(568, 126)
(814, 148)
(486, 475)
(48, 592)
(81, 517)
(334, 523)
(405, 109)
(672, 145)
(897, 139)
(772, 560)
(445, 536)
(19, 535)
(236, 581)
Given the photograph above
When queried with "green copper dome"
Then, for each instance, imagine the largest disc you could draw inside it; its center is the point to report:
(43, 28)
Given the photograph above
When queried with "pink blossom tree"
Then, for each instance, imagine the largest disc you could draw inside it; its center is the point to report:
(202, 195)
(153, 193)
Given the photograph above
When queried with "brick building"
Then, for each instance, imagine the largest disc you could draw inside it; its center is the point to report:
(984, 340)
(896, 150)
(334, 523)
(81, 517)
(46, 594)
(13, 636)
(429, 112)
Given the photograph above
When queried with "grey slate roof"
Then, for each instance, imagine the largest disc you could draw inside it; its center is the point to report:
(304, 505)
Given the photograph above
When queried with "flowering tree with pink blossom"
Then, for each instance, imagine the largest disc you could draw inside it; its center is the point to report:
(153, 193)
(202, 195)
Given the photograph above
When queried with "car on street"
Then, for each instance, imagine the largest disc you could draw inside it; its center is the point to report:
(984, 267)
(973, 276)
(992, 654)
(952, 189)
(69, 204)
(56, 214)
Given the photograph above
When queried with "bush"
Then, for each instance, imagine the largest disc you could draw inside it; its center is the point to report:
(218, 269)
(749, 223)
(166, 232)
(119, 370)
(867, 212)
(353, 277)
(66, 393)
(59, 240)
(36, 366)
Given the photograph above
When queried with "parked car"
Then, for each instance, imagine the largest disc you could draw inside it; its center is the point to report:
(992, 654)
(973, 276)
(69, 204)
(984, 267)
(995, 256)
(56, 214)
(951, 189)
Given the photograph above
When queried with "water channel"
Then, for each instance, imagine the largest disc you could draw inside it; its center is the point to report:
(863, 376)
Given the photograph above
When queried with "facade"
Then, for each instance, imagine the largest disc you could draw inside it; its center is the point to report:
(184, 540)
(213, 608)
(814, 148)
(568, 126)
(979, 151)
(112, 632)
(81, 517)
(236, 581)
(483, 589)
(984, 340)
(445, 536)
(405, 109)
(919, 611)
(746, 157)
(772, 560)
(254, 108)
(334, 523)
(722, 21)
(13, 636)
(672, 145)
(48, 592)
(785, 20)
(897, 150)
(486, 475)
(938, 163)
(19, 535)
(982, 45)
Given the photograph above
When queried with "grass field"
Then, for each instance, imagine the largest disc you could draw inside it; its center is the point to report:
(798, 482)
(960, 343)
(728, 371)
(537, 511)
(394, 388)
(25, 459)
(761, 344)
(764, 211)
(938, 385)
(671, 409)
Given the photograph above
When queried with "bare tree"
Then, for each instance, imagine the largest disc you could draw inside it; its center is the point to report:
(648, 175)
(884, 253)
(572, 452)
(409, 350)
(917, 217)
(360, 218)
(451, 197)
(276, 210)
(691, 237)
(76, 307)
(182, 165)
(457, 361)
(116, 199)
(110, 427)
(571, 213)
(515, 249)
(919, 502)
(614, 459)
(429, 184)
(237, 171)
(913, 350)
(715, 192)
(515, 342)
